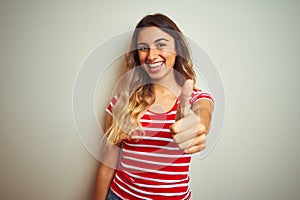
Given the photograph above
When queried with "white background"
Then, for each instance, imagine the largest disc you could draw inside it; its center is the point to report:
(254, 44)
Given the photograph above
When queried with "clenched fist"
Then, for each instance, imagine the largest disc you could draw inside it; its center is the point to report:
(192, 123)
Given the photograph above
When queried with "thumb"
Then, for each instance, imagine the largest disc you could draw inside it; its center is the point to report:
(184, 105)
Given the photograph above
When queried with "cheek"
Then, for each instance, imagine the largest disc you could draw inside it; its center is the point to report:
(142, 57)
(170, 57)
(172, 61)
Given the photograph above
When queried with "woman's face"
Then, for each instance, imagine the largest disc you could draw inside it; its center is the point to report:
(157, 53)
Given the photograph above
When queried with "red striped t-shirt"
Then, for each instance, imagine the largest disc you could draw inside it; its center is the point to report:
(154, 167)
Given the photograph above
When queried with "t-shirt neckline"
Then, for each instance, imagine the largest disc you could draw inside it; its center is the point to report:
(163, 113)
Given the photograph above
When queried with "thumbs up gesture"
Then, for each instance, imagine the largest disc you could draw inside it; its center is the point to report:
(189, 130)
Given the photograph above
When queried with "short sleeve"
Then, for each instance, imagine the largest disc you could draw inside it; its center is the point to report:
(199, 95)
(111, 105)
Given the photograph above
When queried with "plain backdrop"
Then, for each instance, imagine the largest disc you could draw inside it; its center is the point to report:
(255, 46)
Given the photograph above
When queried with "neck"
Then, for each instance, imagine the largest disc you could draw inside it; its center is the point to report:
(166, 86)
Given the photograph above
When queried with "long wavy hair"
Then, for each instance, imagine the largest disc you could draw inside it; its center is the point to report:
(134, 89)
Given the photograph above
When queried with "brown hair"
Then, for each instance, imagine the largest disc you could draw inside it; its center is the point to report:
(183, 63)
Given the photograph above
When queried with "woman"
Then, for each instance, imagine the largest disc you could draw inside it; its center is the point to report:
(157, 118)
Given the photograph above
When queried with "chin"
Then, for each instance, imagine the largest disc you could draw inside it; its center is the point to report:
(160, 76)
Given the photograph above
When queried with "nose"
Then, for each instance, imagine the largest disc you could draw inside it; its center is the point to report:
(152, 54)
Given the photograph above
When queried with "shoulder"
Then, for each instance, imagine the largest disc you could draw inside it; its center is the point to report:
(198, 94)
(111, 104)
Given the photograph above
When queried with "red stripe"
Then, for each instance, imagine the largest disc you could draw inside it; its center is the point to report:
(161, 180)
(160, 116)
(161, 168)
(155, 133)
(156, 158)
(156, 125)
(153, 149)
(150, 175)
(152, 142)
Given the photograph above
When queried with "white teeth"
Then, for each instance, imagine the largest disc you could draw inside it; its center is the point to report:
(155, 64)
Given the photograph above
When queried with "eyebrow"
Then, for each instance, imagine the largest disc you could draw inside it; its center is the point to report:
(158, 40)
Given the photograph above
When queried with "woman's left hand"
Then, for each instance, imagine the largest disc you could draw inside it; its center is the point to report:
(192, 124)
(189, 133)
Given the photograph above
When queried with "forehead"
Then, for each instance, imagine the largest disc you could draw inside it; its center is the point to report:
(150, 34)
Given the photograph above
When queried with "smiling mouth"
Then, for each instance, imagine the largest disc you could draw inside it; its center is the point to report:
(155, 65)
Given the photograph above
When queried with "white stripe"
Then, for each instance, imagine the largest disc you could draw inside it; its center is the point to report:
(153, 171)
(170, 113)
(152, 138)
(197, 92)
(111, 104)
(200, 93)
(202, 98)
(157, 186)
(157, 163)
(187, 193)
(152, 146)
(154, 179)
(124, 189)
(157, 129)
(157, 121)
(158, 154)
(150, 193)
(108, 111)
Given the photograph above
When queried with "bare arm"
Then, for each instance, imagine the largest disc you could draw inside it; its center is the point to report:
(107, 166)
(204, 108)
